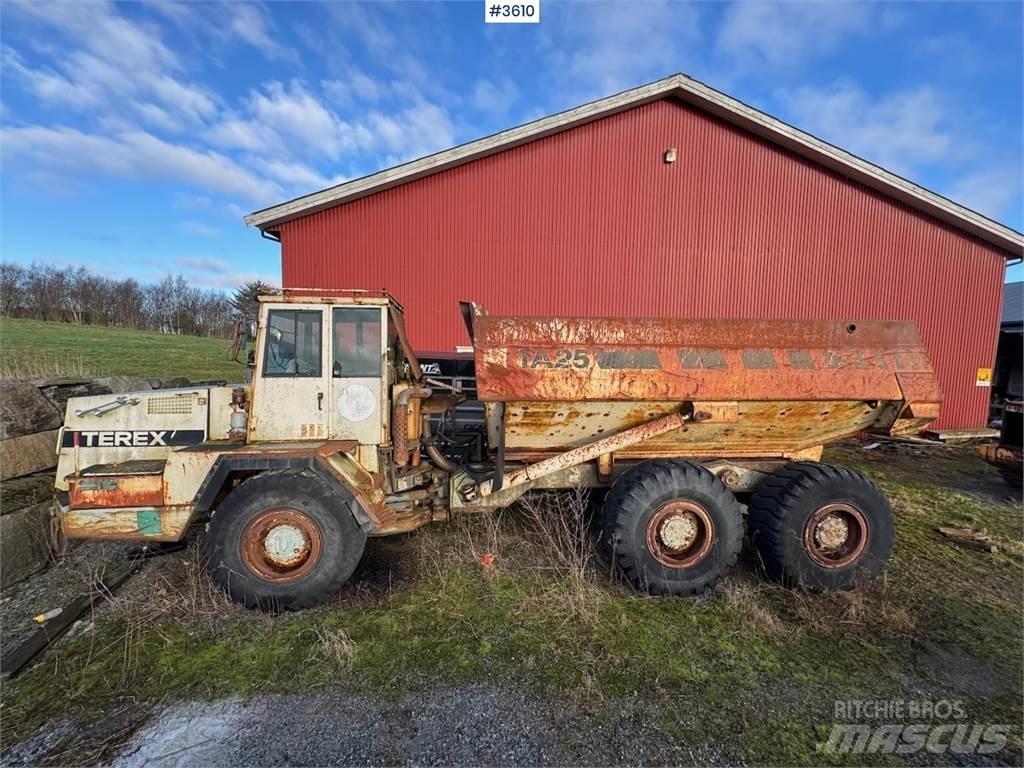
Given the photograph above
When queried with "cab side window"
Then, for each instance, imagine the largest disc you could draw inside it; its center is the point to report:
(356, 342)
(294, 343)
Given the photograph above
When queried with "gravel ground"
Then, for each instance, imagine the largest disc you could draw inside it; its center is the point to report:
(56, 587)
(472, 725)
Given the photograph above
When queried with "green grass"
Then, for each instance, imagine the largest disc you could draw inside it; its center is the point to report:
(754, 671)
(32, 348)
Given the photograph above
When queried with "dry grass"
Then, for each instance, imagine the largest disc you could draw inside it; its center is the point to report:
(560, 523)
(334, 647)
(32, 364)
(180, 589)
(546, 533)
(748, 601)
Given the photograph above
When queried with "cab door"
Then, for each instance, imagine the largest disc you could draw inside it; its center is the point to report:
(291, 388)
(358, 343)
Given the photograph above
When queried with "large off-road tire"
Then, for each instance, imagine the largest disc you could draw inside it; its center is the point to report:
(821, 527)
(674, 528)
(283, 540)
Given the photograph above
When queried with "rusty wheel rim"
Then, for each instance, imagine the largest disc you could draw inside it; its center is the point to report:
(680, 534)
(281, 545)
(836, 535)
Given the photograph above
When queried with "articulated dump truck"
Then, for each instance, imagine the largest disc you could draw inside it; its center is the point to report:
(339, 436)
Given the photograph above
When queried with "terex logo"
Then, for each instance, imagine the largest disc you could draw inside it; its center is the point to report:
(119, 439)
(124, 438)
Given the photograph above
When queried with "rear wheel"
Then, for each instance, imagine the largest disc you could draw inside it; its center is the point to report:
(821, 527)
(283, 541)
(674, 528)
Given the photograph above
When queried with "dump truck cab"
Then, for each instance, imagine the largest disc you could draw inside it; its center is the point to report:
(339, 436)
(323, 368)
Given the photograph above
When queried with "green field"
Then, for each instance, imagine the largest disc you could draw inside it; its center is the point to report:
(33, 348)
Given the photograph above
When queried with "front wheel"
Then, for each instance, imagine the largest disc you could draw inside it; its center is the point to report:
(674, 527)
(821, 527)
(283, 541)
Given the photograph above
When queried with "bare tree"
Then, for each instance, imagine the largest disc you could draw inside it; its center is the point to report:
(46, 292)
(12, 282)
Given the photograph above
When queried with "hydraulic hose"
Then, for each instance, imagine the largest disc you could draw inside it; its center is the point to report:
(440, 460)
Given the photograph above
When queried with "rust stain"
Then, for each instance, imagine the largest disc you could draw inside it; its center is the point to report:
(608, 359)
(1003, 456)
(773, 428)
(115, 491)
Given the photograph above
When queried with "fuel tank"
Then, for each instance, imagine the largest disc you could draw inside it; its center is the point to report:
(750, 387)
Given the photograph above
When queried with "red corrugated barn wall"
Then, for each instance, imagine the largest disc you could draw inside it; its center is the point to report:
(592, 221)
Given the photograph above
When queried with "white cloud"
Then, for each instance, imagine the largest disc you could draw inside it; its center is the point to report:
(495, 98)
(615, 46)
(898, 131)
(295, 113)
(50, 86)
(134, 93)
(134, 155)
(298, 175)
(375, 33)
(284, 121)
(247, 135)
(419, 130)
(782, 34)
(989, 192)
(356, 87)
(224, 22)
(249, 22)
(110, 62)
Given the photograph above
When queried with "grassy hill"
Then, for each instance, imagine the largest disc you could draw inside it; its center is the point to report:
(31, 348)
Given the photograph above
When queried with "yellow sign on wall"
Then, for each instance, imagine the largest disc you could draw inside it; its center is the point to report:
(984, 377)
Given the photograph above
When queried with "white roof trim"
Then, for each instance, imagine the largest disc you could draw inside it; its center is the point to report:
(686, 89)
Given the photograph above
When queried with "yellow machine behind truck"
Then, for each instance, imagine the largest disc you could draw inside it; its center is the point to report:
(339, 436)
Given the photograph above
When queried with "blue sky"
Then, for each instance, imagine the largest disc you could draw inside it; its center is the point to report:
(136, 135)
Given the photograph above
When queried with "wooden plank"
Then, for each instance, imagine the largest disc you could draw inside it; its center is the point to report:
(15, 661)
(962, 434)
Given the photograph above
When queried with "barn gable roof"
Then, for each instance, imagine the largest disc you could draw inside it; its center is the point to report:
(685, 89)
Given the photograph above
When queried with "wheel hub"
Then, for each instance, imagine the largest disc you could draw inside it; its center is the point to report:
(281, 545)
(836, 534)
(286, 545)
(680, 533)
(832, 532)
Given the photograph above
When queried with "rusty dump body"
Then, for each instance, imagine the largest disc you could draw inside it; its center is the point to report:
(746, 388)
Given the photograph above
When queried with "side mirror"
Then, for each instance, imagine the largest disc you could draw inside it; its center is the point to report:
(252, 327)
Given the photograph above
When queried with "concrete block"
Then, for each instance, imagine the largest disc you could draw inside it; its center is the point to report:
(27, 454)
(59, 393)
(121, 384)
(24, 547)
(21, 492)
(24, 410)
